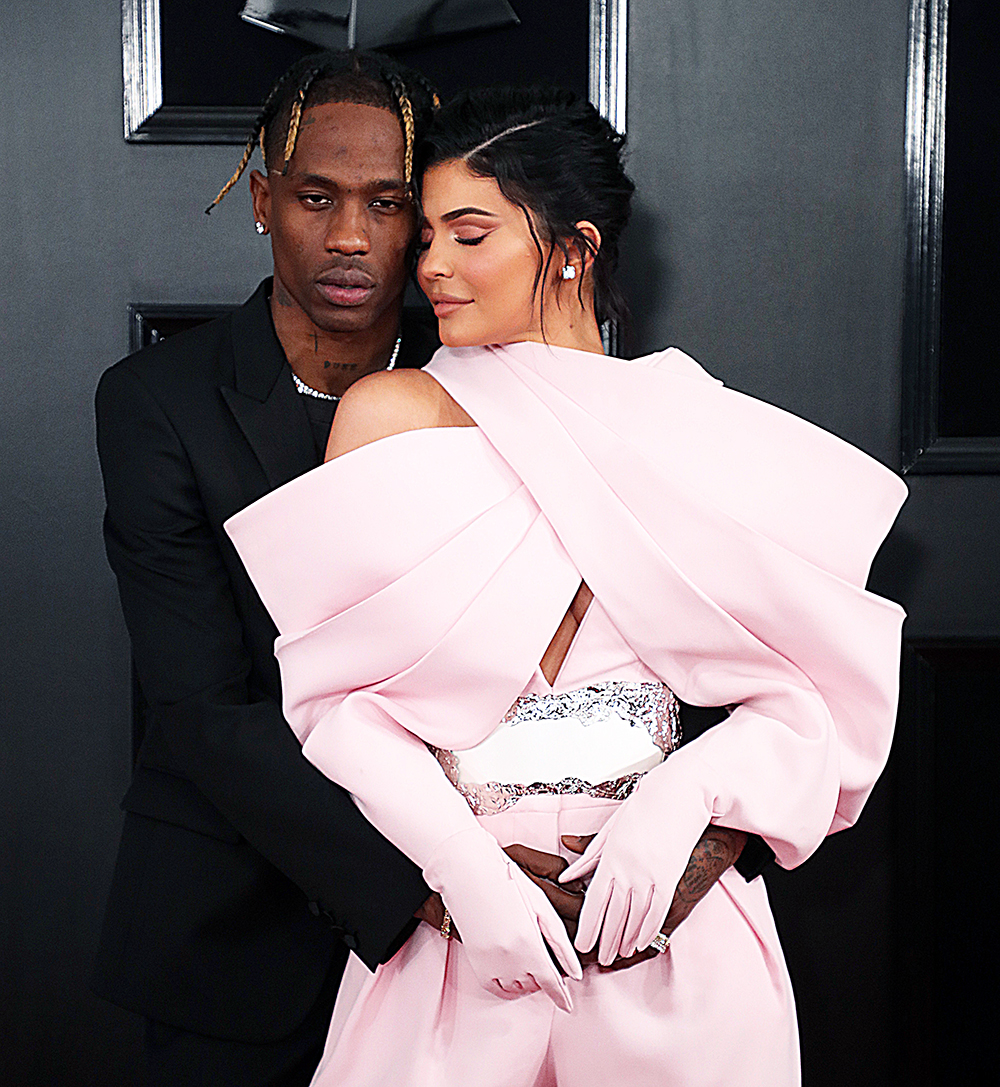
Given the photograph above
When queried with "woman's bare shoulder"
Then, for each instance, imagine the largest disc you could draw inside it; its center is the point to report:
(387, 403)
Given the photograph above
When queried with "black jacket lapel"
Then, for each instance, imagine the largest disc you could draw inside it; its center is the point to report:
(264, 402)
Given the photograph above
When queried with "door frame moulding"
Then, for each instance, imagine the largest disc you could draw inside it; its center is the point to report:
(144, 318)
(608, 86)
(148, 120)
(608, 59)
(916, 878)
(924, 450)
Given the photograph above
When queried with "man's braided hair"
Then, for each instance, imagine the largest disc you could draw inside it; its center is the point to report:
(367, 79)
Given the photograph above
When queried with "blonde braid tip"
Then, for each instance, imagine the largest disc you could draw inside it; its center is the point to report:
(247, 152)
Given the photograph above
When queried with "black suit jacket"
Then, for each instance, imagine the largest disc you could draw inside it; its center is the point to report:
(243, 874)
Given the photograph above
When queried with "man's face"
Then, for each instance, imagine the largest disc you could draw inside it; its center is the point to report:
(341, 222)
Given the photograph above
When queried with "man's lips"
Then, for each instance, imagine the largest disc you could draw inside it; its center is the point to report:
(445, 305)
(346, 286)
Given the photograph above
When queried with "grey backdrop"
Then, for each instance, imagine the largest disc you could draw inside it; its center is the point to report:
(87, 224)
(767, 144)
(767, 148)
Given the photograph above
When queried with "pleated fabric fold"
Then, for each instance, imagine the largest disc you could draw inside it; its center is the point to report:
(416, 583)
(419, 579)
(730, 542)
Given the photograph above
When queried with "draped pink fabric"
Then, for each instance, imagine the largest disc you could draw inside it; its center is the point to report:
(417, 581)
(733, 546)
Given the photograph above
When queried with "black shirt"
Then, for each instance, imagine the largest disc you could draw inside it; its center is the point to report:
(419, 342)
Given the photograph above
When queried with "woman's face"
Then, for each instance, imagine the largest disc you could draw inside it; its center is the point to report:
(478, 261)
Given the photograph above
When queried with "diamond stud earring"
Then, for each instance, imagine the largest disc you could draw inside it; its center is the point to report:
(260, 228)
(569, 272)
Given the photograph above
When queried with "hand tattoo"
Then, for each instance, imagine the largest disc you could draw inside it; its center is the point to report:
(717, 849)
(711, 857)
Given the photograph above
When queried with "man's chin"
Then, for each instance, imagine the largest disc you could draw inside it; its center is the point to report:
(344, 318)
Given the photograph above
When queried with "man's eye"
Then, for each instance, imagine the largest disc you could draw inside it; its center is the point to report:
(314, 199)
(386, 204)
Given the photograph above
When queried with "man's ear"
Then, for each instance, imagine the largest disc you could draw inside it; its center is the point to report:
(260, 194)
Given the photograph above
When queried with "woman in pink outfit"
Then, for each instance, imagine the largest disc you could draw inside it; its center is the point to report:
(546, 546)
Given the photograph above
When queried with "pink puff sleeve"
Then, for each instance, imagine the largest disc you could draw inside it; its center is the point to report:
(381, 570)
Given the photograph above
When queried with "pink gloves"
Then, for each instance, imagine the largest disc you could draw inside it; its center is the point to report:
(401, 788)
(638, 858)
(501, 916)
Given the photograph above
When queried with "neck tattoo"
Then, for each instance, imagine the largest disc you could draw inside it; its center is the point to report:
(308, 390)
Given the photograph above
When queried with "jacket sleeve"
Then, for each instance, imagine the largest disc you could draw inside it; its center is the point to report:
(193, 666)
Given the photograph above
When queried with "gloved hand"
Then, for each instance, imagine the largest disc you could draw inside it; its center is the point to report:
(502, 916)
(638, 858)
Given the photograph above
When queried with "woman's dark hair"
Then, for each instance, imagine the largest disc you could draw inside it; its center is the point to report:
(553, 155)
(366, 79)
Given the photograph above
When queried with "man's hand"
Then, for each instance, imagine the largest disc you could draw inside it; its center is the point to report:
(432, 911)
(717, 849)
(707, 863)
(544, 870)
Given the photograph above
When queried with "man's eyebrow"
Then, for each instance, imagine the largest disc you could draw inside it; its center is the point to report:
(379, 184)
(450, 216)
(386, 184)
(314, 179)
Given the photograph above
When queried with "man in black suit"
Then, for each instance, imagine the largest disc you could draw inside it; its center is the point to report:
(244, 875)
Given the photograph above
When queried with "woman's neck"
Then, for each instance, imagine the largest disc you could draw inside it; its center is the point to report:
(579, 331)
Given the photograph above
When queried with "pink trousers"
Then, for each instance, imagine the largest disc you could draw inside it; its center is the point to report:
(715, 1011)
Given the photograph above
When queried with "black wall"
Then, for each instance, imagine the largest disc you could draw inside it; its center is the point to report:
(767, 144)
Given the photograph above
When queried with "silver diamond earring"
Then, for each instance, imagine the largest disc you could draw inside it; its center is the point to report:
(259, 227)
(569, 272)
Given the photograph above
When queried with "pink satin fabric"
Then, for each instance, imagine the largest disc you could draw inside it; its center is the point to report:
(416, 583)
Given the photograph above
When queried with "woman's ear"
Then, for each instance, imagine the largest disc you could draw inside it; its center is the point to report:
(586, 258)
(577, 255)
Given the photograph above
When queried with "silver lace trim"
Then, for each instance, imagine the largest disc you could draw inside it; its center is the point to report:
(649, 705)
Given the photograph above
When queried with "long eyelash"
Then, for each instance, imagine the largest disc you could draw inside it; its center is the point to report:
(470, 241)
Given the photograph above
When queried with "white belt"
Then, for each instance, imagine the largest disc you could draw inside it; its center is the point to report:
(597, 740)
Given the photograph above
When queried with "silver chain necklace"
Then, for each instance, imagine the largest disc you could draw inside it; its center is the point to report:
(308, 390)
